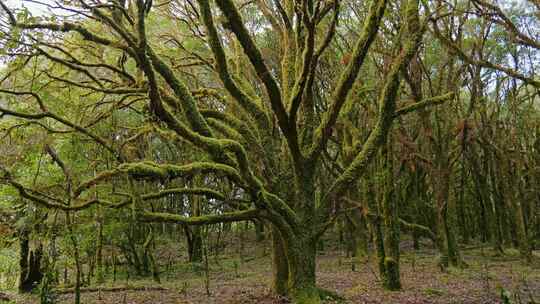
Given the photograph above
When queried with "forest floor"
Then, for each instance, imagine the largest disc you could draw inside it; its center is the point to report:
(245, 280)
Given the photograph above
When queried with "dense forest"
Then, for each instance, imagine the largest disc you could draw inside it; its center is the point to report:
(269, 151)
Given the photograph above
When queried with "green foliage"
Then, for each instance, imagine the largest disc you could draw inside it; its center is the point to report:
(211, 105)
(9, 268)
(505, 296)
(46, 292)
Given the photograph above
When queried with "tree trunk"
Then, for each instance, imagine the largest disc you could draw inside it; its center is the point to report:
(259, 231)
(301, 256)
(515, 207)
(446, 240)
(497, 203)
(30, 264)
(280, 267)
(195, 250)
(356, 232)
(416, 200)
(99, 246)
(460, 205)
(521, 229)
(391, 223)
(194, 243)
(24, 244)
(76, 256)
(376, 227)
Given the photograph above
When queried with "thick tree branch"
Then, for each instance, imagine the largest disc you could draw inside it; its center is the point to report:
(207, 192)
(424, 104)
(150, 170)
(225, 217)
(234, 21)
(369, 32)
(387, 105)
(220, 64)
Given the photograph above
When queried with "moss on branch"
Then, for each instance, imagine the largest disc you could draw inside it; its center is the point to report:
(210, 193)
(387, 107)
(222, 69)
(424, 104)
(226, 217)
(347, 78)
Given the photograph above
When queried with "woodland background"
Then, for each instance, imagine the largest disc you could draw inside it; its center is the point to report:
(267, 151)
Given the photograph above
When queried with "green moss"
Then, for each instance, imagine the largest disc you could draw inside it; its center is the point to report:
(150, 170)
(144, 170)
(159, 217)
(182, 92)
(307, 295)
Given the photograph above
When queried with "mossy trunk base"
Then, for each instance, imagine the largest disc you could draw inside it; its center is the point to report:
(306, 295)
(391, 280)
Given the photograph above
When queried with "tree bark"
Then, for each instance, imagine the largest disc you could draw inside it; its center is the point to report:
(30, 264)
(391, 222)
(301, 256)
(280, 267)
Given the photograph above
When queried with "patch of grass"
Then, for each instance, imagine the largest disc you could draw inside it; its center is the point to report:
(456, 272)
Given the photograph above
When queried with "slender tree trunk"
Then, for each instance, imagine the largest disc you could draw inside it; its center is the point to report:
(480, 179)
(497, 202)
(460, 205)
(194, 243)
(99, 246)
(442, 241)
(115, 263)
(195, 250)
(391, 223)
(358, 238)
(523, 240)
(451, 224)
(416, 207)
(446, 240)
(376, 228)
(511, 190)
(521, 230)
(259, 231)
(76, 256)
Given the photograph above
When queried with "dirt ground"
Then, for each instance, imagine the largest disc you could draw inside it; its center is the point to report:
(233, 281)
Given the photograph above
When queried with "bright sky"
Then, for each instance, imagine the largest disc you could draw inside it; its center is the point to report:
(34, 7)
(37, 9)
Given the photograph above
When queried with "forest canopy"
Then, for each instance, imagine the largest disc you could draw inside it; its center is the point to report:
(136, 134)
